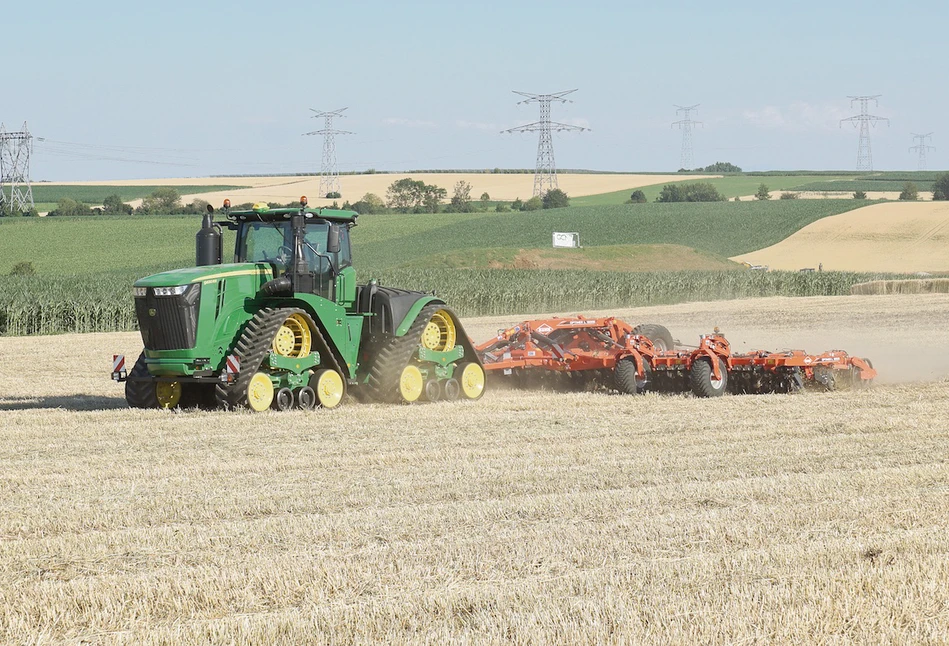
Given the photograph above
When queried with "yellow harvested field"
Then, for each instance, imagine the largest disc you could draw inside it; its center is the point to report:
(893, 237)
(501, 186)
(526, 517)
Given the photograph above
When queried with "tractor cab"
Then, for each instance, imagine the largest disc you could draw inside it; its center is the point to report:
(308, 249)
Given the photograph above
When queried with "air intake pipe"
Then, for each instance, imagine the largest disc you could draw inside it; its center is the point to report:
(208, 241)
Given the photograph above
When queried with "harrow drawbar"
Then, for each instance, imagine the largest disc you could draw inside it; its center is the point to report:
(584, 352)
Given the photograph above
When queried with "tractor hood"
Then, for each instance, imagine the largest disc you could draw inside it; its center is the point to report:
(209, 272)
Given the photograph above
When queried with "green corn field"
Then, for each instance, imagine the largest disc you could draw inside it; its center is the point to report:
(103, 303)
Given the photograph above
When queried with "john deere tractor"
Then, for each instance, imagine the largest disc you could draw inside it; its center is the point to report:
(285, 325)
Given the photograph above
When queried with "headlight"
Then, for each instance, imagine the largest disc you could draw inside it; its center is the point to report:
(139, 292)
(177, 290)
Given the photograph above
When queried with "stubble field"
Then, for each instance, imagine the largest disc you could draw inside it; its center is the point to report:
(527, 517)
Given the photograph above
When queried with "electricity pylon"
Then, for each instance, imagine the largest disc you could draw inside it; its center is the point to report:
(545, 173)
(865, 120)
(685, 125)
(921, 148)
(329, 172)
(15, 150)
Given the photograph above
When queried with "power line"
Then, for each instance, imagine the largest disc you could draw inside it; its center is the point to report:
(921, 148)
(329, 171)
(865, 120)
(15, 149)
(685, 125)
(545, 173)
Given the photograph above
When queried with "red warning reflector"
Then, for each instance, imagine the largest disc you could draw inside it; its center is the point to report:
(118, 362)
(233, 364)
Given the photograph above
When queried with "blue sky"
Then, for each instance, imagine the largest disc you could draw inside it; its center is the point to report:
(191, 89)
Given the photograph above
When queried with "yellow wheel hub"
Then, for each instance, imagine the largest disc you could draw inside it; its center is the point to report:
(439, 334)
(294, 338)
(411, 383)
(472, 381)
(260, 392)
(168, 393)
(329, 388)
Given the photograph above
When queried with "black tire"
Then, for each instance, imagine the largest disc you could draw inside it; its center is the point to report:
(394, 355)
(658, 334)
(282, 399)
(703, 381)
(452, 389)
(140, 394)
(627, 381)
(306, 398)
(432, 391)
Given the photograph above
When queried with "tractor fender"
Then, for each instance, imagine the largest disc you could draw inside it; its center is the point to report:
(412, 314)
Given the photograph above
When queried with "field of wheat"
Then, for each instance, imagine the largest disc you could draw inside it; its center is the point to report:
(526, 517)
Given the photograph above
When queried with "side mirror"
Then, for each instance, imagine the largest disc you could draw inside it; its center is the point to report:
(332, 240)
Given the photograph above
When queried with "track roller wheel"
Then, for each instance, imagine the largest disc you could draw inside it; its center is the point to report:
(627, 381)
(452, 389)
(168, 394)
(703, 381)
(260, 392)
(306, 398)
(329, 387)
(411, 383)
(283, 399)
(471, 378)
(432, 391)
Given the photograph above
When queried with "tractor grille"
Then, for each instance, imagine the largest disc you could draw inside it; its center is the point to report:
(169, 322)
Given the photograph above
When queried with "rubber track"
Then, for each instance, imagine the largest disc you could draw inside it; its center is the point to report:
(140, 394)
(395, 355)
(252, 348)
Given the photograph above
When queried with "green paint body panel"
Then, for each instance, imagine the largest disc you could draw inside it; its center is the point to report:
(413, 313)
(294, 365)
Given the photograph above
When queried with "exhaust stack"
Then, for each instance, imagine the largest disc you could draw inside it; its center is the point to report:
(208, 241)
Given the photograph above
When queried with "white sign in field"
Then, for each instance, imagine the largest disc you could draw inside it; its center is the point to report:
(566, 239)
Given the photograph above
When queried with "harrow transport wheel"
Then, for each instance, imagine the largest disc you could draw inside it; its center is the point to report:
(452, 389)
(306, 398)
(658, 334)
(627, 381)
(283, 400)
(293, 338)
(168, 393)
(702, 378)
(329, 388)
(432, 391)
(472, 380)
(411, 383)
(260, 392)
(140, 394)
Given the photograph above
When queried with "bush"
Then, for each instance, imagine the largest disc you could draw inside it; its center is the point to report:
(24, 268)
(533, 204)
(859, 195)
(637, 197)
(555, 199)
(502, 208)
(789, 196)
(721, 167)
(113, 205)
(694, 192)
(941, 187)
(517, 205)
(762, 193)
(333, 195)
(70, 207)
(910, 192)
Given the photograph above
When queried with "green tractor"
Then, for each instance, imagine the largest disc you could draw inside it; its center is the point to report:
(287, 326)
